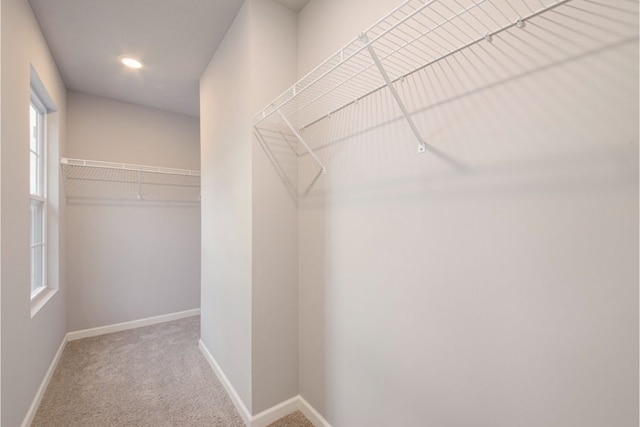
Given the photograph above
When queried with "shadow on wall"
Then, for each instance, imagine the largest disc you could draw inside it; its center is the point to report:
(508, 73)
(529, 114)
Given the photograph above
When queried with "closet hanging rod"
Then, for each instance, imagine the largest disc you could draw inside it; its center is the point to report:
(301, 85)
(124, 181)
(486, 37)
(340, 52)
(369, 44)
(127, 167)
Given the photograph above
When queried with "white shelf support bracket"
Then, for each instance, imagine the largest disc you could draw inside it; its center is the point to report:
(139, 185)
(422, 145)
(297, 135)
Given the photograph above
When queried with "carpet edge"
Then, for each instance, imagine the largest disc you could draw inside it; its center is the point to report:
(117, 327)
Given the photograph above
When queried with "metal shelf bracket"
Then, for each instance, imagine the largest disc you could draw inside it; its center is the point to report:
(503, 38)
(297, 135)
(422, 145)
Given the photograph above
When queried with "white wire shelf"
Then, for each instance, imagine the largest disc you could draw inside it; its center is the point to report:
(97, 180)
(419, 34)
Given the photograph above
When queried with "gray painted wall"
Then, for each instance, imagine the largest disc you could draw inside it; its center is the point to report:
(249, 245)
(28, 344)
(225, 127)
(505, 294)
(275, 217)
(130, 260)
(115, 131)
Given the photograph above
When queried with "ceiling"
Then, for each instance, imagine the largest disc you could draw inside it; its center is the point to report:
(295, 5)
(175, 38)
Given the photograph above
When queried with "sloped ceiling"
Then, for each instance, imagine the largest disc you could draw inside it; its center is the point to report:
(175, 39)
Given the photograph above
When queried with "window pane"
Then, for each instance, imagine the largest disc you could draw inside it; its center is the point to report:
(34, 220)
(37, 263)
(38, 176)
(33, 269)
(37, 268)
(33, 126)
(33, 173)
(37, 222)
(37, 241)
(36, 145)
(40, 265)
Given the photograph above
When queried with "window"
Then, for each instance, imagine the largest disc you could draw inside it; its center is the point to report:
(38, 195)
(44, 194)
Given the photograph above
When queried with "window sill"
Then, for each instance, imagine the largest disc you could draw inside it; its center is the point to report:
(41, 299)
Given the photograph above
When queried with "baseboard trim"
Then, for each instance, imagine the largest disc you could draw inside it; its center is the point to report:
(276, 412)
(102, 330)
(31, 413)
(311, 413)
(235, 398)
(287, 407)
(262, 419)
(267, 416)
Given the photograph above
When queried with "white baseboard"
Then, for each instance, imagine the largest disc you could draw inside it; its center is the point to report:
(235, 398)
(101, 330)
(297, 403)
(268, 416)
(276, 412)
(311, 413)
(31, 413)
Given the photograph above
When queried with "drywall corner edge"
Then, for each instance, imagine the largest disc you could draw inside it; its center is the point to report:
(311, 413)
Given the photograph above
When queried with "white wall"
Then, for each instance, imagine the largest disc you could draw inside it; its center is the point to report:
(249, 246)
(275, 217)
(114, 131)
(502, 294)
(130, 260)
(28, 344)
(225, 111)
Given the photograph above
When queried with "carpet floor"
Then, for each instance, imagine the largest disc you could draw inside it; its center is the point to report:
(150, 376)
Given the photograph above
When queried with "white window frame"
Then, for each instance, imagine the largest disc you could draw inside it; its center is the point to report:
(40, 195)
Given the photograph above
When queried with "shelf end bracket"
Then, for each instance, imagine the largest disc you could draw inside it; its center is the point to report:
(302, 141)
(422, 145)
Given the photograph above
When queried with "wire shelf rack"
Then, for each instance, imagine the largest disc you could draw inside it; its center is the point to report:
(97, 180)
(421, 33)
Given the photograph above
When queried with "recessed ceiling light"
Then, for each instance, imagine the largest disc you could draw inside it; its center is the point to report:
(131, 62)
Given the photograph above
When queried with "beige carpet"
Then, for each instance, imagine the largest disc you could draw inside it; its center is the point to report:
(151, 376)
(297, 419)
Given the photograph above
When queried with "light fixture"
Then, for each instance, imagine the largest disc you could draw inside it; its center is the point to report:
(131, 62)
